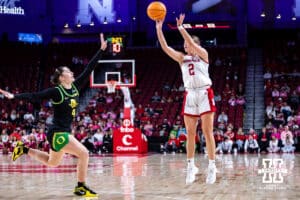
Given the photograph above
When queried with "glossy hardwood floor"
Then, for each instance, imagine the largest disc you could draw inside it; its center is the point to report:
(153, 177)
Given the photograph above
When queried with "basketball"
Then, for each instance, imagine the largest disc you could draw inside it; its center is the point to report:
(156, 10)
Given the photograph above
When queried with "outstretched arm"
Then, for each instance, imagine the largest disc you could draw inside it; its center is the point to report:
(199, 50)
(175, 55)
(50, 93)
(92, 64)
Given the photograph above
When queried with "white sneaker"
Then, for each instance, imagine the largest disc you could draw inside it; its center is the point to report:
(191, 174)
(211, 175)
(196, 170)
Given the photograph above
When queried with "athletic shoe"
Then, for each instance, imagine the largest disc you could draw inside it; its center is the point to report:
(84, 191)
(211, 174)
(191, 174)
(18, 150)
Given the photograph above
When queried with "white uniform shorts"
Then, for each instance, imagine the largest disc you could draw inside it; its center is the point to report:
(198, 102)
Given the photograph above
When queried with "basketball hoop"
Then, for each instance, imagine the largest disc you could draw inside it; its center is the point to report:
(111, 86)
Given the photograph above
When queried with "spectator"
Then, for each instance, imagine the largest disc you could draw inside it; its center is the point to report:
(148, 128)
(285, 88)
(232, 100)
(286, 110)
(229, 132)
(178, 121)
(80, 134)
(98, 140)
(226, 92)
(149, 110)
(139, 111)
(182, 139)
(166, 124)
(240, 100)
(156, 97)
(88, 142)
(273, 145)
(4, 140)
(225, 146)
(267, 75)
(41, 138)
(269, 126)
(223, 118)
(270, 109)
(253, 133)
(107, 141)
(29, 117)
(288, 145)
(251, 145)
(240, 90)
(218, 135)
(240, 139)
(49, 119)
(279, 119)
(109, 99)
(217, 97)
(101, 99)
(171, 145)
(275, 93)
(16, 134)
(13, 116)
(166, 86)
(276, 133)
(263, 140)
(285, 133)
(163, 132)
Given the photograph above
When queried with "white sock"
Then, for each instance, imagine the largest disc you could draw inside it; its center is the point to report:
(191, 162)
(211, 163)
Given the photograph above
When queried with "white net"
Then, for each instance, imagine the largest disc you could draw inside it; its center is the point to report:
(111, 86)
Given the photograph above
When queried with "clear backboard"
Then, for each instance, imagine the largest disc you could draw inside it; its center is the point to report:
(120, 71)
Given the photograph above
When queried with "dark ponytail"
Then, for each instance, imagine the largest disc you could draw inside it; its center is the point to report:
(55, 77)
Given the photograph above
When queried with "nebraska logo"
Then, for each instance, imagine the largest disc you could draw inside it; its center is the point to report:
(100, 9)
(272, 170)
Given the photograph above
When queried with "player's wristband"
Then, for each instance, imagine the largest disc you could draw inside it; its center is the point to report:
(180, 27)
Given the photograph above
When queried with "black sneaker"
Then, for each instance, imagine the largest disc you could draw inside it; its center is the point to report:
(84, 191)
(18, 150)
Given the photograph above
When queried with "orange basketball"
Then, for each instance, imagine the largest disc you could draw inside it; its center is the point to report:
(156, 10)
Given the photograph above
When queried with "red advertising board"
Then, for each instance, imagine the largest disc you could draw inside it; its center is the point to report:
(128, 139)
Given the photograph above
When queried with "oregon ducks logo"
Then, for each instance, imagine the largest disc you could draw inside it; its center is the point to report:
(73, 104)
(60, 140)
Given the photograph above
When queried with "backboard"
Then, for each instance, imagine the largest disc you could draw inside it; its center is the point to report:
(122, 71)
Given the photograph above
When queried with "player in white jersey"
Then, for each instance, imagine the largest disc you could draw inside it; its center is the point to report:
(198, 101)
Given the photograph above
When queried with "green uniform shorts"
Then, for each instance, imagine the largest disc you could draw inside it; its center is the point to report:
(59, 140)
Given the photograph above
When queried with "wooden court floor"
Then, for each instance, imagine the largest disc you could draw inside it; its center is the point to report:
(155, 177)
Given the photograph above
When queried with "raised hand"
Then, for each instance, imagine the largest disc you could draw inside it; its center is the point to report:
(103, 42)
(7, 94)
(179, 20)
(159, 24)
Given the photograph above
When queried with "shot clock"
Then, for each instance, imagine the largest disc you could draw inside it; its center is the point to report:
(115, 44)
